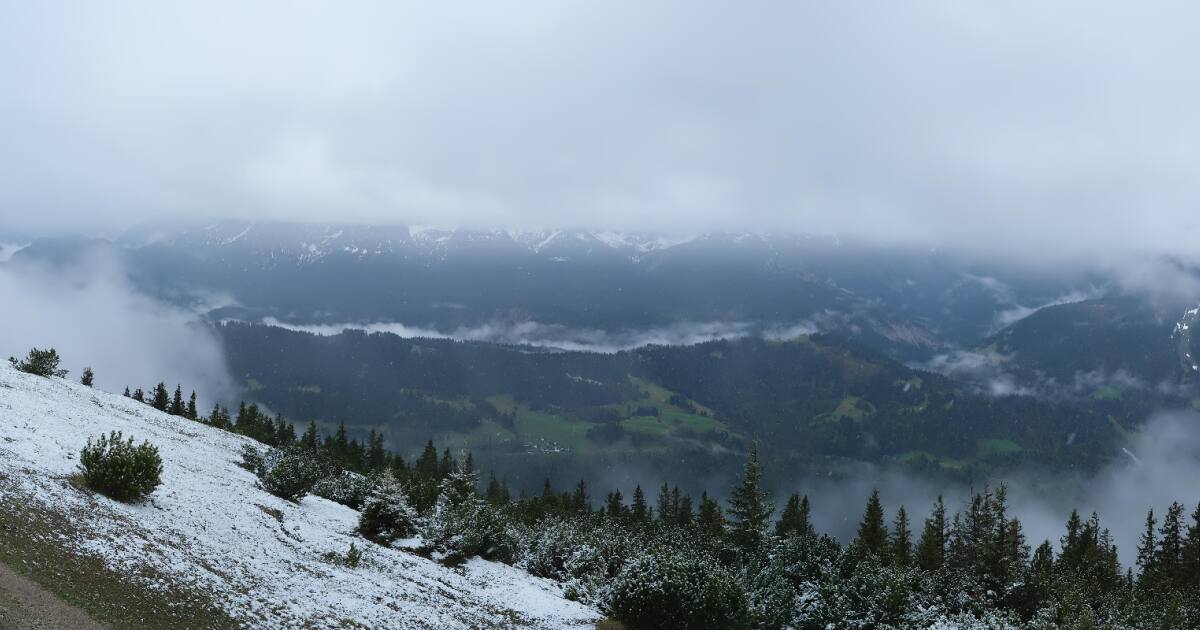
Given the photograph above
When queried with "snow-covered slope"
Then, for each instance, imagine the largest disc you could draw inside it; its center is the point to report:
(210, 528)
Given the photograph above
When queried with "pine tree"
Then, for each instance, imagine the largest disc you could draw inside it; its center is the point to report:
(1190, 569)
(427, 463)
(311, 438)
(666, 508)
(614, 504)
(580, 501)
(1170, 547)
(749, 507)
(127, 394)
(161, 400)
(710, 519)
(177, 406)
(1147, 553)
(872, 532)
(795, 519)
(447, 465)
(376, 453)
(496, 493)
(683, 508)
(639, 510)
(138, 395)
(901, 543)
(87, 377)
(192, 412)
(931, 548)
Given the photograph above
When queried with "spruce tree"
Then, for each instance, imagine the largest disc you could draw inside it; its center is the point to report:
(161, 400)
(138, 395)
(311, 438)
(749, 507)
(376, 453)
(127, 394)
(581, 502)
(1147, 553)
(931, 548)
(1190, 569)
(496, 494)
(901, 544)
(683, 508)
(795, 519)
(639, 510)
(427, 463)
(614, 504)
(1170, 547)
(710, 519)
(872, 532)
(177, 406)
(666, 508)
(192, 412)
(87, 377)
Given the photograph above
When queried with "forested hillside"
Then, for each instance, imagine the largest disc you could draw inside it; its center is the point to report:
(813, 399)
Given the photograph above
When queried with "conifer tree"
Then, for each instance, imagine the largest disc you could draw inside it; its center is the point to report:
(138, 395)
(666, 508)
(177, 406)
(1190, 565)
(639, 510)
(901, 548)
(127, 394)
(1170, 547)
(1147, 553)
(749, 507)
(376, 453)
(87, 377)
(447, 465)
(161, 400)
(614, 504)
(311, 438)
(192, 412)
(931, 548)
(683, 508)
(710, 519)
(427, 463)
(795, 519)
(497, 494)
(580, 501)
(872, 532)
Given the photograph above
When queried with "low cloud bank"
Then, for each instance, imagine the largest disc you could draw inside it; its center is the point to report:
(1163, 466)
(560, 337)
(93, 316)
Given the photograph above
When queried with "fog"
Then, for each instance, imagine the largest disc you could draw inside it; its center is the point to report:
(1028, 129)
(560, 337)
(1164, 466)
(91, 314)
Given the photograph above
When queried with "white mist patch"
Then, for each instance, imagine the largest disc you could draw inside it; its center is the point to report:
(1160, 465)
(560, 337)
(8, 250)
(1015, 314)
(94, 317)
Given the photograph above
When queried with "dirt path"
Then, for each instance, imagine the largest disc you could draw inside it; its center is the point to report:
(26, 606)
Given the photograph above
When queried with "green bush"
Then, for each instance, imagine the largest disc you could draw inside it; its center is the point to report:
(115, 467)
(677, 591)
(40, 362)
(291, 473)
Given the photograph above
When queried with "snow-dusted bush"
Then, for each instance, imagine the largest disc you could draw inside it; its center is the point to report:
(680, 590)
(386, 514)
(253, 459)
(291, 473)
(872, 595)
(40, 363)
(463, 525)
(582, 554)
(115, 467)
(348, 488)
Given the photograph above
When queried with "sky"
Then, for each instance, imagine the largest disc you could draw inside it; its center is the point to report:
(1024, 128)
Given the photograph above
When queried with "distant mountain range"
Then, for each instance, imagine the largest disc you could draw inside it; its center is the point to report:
(907, 302)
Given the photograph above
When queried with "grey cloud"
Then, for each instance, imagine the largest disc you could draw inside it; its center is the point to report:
(94, 318)
(1023, 129)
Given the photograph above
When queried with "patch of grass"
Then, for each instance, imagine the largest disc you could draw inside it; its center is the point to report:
(996, 446)
(31, 543)
(850, 407)
(1111, 392)
(254, 385)
(503, 404)
(309, 389)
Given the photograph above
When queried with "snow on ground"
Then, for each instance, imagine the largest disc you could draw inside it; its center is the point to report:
(209, 527)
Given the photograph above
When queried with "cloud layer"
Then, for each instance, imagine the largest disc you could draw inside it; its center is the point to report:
(94, 318)
(1023, 128)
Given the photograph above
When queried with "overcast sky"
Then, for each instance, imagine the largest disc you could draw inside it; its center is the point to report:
(1024, 127)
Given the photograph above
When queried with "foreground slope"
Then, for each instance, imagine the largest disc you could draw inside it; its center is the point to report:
(209, 529)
